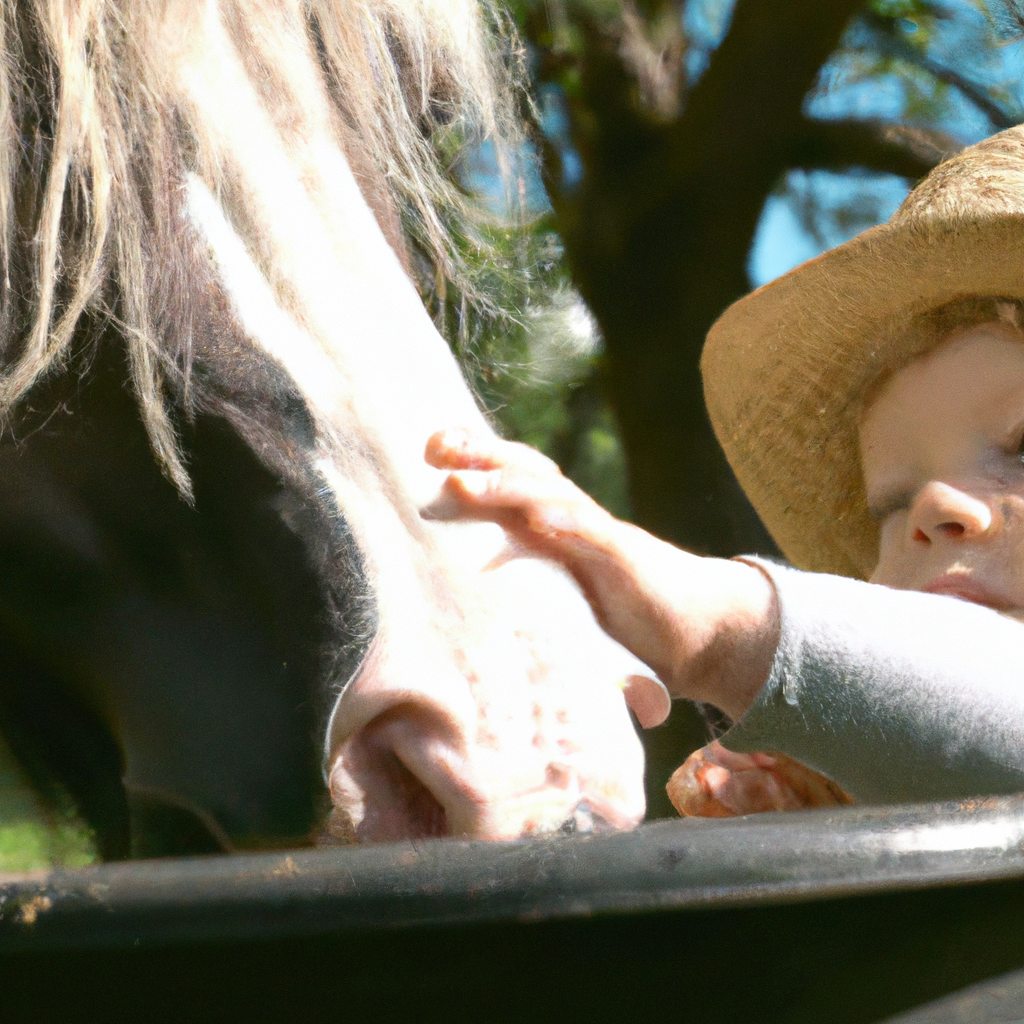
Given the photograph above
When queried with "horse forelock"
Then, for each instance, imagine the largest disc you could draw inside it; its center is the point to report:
(96, 143)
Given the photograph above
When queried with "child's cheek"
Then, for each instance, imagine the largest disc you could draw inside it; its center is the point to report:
(894, 561)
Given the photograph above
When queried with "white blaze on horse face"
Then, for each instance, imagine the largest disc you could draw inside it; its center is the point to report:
(324, 256)
(490, 702)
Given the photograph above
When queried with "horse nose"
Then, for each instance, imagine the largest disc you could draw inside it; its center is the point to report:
(397, 778)
(415, 772)
(402, 777)
(428, 743)
(397, 767)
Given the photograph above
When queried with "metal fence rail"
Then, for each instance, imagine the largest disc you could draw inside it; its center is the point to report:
(845, 915)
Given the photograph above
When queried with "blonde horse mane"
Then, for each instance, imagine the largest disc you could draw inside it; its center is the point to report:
(93, 146)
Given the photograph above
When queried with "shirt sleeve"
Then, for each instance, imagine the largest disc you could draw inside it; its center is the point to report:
(895, 695)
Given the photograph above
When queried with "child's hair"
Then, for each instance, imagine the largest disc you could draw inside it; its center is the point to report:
(961, 314)
(911, 336)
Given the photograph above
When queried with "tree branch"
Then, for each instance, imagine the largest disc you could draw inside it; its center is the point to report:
(871, 144)
(892, 45)
(761, 73)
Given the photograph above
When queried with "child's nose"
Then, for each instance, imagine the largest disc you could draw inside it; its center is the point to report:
(942, 512)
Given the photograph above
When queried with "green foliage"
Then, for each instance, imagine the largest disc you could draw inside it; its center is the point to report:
(36, 833)
(532, 354)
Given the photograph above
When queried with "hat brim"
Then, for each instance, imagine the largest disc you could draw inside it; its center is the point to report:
(787, 367)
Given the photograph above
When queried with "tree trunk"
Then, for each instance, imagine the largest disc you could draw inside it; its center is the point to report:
(659, 229)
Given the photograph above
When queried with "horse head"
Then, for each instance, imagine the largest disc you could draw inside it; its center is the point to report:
(236, 224)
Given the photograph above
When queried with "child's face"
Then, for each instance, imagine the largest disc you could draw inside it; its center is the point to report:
(943, 461)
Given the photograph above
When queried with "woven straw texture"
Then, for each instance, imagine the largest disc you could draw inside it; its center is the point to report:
(787, 368)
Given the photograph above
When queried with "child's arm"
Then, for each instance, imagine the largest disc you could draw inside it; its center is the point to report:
(894, 695)
(708, 627)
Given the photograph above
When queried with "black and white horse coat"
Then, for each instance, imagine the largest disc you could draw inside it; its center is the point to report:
(301, 616)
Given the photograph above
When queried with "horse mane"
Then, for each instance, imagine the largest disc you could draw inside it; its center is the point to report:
(94, 146)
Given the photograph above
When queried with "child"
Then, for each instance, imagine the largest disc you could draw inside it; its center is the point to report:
(871, 403)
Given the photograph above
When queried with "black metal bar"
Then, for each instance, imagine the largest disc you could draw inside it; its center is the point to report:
(841, 917)
(663, 865)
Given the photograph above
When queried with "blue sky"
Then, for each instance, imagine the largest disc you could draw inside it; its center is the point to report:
(961, 39)
(812, 211)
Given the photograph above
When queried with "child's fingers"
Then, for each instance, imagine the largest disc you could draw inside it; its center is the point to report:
(752, 791)
(690, 796)
(648, 700)
(502, 488)
(542, 504)
(703, 788)
(521, 502)
(808, 787)
(509, 483)
(460, 448)
(716, 782)
(734, 761)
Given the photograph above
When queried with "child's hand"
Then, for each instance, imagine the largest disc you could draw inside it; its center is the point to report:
(707, 626)
(520, 489)
(718, 783)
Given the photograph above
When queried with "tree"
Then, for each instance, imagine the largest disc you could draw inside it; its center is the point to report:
(672, 167)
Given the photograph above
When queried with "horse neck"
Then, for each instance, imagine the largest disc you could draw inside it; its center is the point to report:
(360, 341)
(314, 286)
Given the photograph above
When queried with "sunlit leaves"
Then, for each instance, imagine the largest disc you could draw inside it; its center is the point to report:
(953, 63)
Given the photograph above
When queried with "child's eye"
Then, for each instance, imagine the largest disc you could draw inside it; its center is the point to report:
(1013, 439)
(884, 507)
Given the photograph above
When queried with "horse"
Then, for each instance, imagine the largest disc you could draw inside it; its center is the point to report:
(227, 587)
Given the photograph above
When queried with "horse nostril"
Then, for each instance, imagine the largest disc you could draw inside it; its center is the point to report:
(951, 530)
(387, 800)
(421, 811)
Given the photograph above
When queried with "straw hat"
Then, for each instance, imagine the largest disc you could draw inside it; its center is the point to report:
(787, 368)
